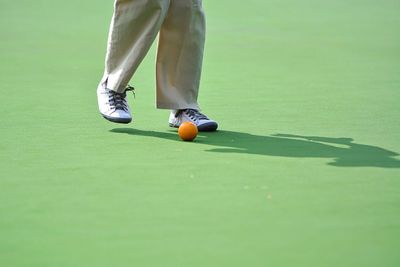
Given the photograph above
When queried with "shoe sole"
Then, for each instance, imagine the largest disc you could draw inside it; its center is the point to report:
(117, 120)
(206, 127)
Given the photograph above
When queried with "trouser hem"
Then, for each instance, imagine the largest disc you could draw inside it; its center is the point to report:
(177, 106)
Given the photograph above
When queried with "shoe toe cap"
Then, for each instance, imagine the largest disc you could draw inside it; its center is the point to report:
(121, 114)
(118, 116)
(208, 126)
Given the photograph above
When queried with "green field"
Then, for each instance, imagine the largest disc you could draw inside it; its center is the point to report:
(305, 170)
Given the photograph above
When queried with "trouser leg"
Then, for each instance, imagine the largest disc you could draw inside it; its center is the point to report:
(180, 55)
(134, 26)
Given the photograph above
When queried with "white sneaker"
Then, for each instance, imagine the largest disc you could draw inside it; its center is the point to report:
(114, 106)
(203, 123)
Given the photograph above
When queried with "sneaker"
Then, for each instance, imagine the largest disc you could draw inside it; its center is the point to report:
(113, 106)
(203, 123)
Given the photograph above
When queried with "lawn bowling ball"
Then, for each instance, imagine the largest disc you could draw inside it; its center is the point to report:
(187, 131)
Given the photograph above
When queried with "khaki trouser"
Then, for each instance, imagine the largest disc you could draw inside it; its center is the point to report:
(181, 27)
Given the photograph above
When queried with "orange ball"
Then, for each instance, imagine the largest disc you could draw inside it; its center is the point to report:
(187, 131)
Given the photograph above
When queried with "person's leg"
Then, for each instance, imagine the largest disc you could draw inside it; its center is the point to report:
(179, 62)
(134, 27)
(180, 55)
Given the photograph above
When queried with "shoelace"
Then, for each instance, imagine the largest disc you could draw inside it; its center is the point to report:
(117, 100)
(193, 114)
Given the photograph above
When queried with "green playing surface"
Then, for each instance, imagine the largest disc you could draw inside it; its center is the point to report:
(305, 170)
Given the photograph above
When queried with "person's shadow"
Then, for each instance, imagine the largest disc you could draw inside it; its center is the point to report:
(342, 151)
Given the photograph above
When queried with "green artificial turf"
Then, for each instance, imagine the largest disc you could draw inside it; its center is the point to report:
(305, 170)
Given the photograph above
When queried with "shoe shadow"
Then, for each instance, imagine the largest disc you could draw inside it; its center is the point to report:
(343, 152)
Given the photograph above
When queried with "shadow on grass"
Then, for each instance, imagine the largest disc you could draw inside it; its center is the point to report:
(343, 151)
